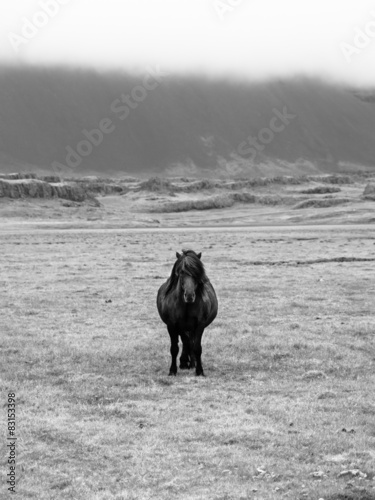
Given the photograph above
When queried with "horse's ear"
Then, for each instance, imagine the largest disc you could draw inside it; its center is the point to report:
(199, 255)
(178, 255)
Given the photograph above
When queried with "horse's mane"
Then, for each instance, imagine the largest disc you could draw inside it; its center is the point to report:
(189, 263)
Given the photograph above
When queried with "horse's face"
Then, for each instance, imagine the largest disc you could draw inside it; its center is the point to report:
(188, 270)
(188, 286)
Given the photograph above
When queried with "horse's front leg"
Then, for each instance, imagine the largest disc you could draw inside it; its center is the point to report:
(185, 362)
(197, 352)
(174, 350)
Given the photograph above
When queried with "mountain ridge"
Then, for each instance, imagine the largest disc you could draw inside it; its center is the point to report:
(82, 121)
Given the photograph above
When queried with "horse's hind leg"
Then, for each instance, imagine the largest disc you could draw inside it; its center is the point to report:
(185, 363)
(174, 350)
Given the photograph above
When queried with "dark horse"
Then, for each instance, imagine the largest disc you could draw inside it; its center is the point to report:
(187, 303)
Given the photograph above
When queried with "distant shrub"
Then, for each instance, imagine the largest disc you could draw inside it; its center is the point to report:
(369, 192)
(205, 204)
(287, 179)
(50, 178)
(184, 179)
(221, 201)
(264, 181)
(369, 189)
(200, 185)
(260, 181)
(18, 176)
(321, 190)
(35, 188)
(102, 188)
(156, 184)
(188, 185)
(273, 200)
(331, 179)
(244, 197)
(322, 203)
(129, 179)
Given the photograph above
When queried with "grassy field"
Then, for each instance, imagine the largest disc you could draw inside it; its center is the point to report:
(288, 402)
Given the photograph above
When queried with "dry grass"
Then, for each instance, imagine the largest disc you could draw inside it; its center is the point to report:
(289, 364)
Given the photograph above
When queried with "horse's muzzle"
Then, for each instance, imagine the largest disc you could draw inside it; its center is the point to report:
(189, 298)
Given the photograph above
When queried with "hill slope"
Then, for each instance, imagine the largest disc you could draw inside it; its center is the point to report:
(179, 125)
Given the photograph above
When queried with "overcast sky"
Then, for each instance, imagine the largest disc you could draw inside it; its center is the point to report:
(256, 38)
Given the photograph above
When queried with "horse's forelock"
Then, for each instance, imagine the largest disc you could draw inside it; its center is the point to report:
(192, 265)
(189, 263)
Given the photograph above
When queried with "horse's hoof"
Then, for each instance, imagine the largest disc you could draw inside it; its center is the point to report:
(200, 374)
(173, 374)
(186, 366)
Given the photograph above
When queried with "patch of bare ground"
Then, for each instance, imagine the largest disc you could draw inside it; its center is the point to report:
(287, 406)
